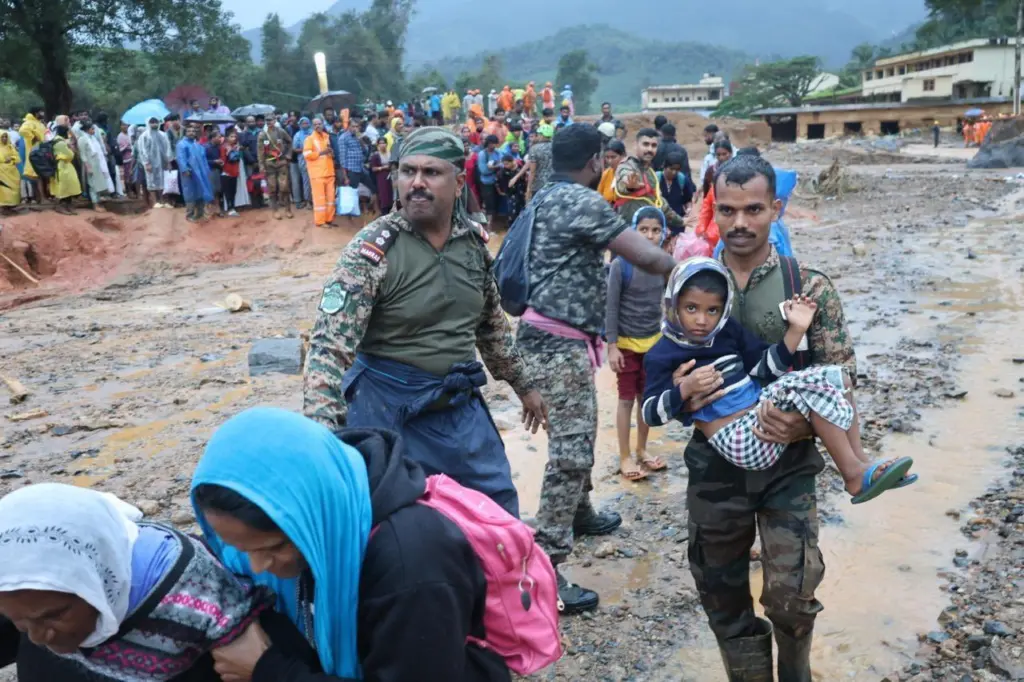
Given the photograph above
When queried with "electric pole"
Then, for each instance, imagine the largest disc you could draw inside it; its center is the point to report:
(1016, 58)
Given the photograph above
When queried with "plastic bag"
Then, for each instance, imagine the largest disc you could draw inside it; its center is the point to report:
(348, 201)
(689, 245)
(171, 182)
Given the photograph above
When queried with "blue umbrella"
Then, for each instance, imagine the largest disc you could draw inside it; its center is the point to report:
(973, 113)
(143, 111)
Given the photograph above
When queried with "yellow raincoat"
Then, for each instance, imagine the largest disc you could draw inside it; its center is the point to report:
(10, 179)
(65, 182)
(33, 132)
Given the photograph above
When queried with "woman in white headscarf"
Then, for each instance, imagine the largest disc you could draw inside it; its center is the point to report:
(94, 159)
(90, 592)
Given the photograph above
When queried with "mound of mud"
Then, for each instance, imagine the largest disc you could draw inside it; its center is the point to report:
(76, 253)
(1003, 147)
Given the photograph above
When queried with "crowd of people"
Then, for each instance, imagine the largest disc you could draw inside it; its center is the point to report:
(326, 555)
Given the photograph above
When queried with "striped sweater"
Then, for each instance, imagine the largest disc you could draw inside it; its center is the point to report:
(746, 364)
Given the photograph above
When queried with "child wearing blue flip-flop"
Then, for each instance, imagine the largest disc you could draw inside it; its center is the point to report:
(697, 331)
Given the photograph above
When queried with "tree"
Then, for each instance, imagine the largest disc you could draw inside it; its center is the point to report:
(576, 69)
(955, 20)
(426, 78)
(41, 39)
(784, 83)
(491, 75)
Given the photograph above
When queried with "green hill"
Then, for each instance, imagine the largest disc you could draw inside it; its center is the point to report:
(626, 63)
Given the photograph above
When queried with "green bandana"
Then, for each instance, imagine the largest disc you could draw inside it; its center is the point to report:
(436, 142)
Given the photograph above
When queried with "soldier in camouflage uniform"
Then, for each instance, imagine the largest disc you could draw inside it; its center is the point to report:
(560, 336)
(409, 303)
(636, 182)
(728, 506)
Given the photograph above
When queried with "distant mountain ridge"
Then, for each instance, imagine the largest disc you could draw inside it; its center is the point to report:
(825, 28)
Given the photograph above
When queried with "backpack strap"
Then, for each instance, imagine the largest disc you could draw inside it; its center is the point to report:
(793, 285)
(377, 243)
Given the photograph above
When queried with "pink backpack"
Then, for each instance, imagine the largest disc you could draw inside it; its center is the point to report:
(521, 613)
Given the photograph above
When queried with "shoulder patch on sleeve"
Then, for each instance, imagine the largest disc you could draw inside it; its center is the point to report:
(333, 299)
(376, 244)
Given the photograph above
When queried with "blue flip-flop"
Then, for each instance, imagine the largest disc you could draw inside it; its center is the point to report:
(888, 479)
(905, 481)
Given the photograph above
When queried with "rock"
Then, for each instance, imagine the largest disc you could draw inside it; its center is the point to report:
(1002, 148)
(285, 356)
(937, 636)
(977, 642)
(997, 629)
(1004, 663)
(953, 513)
(1004, 393)
(604, 550)
(181, 518)
(859, 249)
(148, 507)
(8, 474)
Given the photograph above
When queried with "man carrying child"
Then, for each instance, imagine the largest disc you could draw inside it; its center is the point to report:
(729, 505)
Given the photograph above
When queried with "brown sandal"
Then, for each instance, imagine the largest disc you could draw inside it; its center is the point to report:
(653, 462)
(633, 475)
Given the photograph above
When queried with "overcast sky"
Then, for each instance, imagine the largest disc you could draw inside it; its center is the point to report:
(251, 13)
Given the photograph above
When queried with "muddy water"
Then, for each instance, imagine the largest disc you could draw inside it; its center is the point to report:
(888, 560)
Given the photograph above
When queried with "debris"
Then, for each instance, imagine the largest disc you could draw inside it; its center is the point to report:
(605, 550)
(285, 356)
(25, 416)
(17, 389)
(6, 474)
(148, 507)
(18, 268)
(997, 629)
(1004, 393)
(237, 304)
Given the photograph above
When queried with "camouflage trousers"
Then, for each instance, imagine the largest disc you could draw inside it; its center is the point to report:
(564, 377)
(277, 186)
(727, 507)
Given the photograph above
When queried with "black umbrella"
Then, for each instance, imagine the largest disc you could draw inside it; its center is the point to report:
(253, 110)
(335, 99)
(210, 118)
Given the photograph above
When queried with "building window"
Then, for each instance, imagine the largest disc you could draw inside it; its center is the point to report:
(868, 75)
(903, 70)
(888, 73)
(878, 74)
(929, 85)
(713, 95)
(970, 56)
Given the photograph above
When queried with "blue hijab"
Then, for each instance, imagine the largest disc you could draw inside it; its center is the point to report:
(315, 488)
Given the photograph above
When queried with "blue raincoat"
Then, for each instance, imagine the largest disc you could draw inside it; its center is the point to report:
(195, 186)
(316, 489)
(444, 421)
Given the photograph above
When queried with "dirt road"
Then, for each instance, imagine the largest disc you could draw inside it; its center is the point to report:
(139, 366)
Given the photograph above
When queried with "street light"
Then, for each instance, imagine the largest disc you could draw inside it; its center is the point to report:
(320, 59)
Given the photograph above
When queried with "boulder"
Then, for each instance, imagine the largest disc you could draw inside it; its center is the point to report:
(284, 356)
(1003, 147)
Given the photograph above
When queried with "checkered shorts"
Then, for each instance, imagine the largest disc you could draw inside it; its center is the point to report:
(817, 389)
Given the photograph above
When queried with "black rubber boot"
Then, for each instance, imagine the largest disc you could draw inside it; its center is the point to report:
(573, 598)
(590, 522)
(794, 657)
(749, 659)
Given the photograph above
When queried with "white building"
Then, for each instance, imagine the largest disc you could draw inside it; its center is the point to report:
(966, 70)
(706, 95)
(824, 82)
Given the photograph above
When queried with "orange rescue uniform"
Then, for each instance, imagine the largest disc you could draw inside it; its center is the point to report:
(320, 165)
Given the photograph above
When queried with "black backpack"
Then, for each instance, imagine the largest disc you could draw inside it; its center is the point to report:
(42, 159)
(512, 265)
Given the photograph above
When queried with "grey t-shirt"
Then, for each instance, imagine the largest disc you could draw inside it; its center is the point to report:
(634, 310)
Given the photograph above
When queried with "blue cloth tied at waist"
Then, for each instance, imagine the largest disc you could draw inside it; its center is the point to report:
(443, 420)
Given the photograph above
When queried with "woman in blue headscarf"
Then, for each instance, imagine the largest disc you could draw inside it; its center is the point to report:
(283, 500)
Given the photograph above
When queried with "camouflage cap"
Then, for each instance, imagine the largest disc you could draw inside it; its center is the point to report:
(434, 141)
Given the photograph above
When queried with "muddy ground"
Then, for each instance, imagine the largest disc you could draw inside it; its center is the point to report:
(139, 364)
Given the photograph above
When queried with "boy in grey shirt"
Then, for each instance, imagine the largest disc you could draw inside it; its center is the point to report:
(632, 327)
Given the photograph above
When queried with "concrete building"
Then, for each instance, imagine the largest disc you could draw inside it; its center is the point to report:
(973, 68)
(703, 96)
(907, 91)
